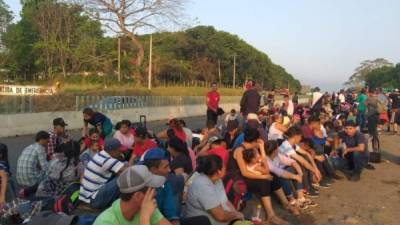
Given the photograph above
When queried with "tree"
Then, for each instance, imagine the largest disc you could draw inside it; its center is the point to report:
(127, 17)
(358, 77)
(5, 20)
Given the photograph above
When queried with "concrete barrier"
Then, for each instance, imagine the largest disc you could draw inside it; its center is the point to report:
(30, 123)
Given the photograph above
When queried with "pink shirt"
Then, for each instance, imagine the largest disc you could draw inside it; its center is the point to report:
(127, 140)
(278, 164)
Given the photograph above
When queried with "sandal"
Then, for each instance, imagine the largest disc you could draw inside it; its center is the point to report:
(274, 220)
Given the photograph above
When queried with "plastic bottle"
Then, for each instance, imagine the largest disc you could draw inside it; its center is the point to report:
(257, 216)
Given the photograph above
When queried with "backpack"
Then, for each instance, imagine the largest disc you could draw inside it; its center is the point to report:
(68, 200)
(236, 191)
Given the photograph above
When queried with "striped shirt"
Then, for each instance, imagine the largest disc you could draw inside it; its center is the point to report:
(97, 172)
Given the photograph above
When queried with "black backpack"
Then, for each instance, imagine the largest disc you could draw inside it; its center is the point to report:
(68, 200)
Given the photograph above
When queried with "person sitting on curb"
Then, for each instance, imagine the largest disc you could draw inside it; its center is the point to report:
(98, 187)
(32, 165)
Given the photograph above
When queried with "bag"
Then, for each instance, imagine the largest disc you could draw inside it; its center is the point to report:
(220, 112)
(375, 155)
(236, 191)
(68, 200)
(48, 217)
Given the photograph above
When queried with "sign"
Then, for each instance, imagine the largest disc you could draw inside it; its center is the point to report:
(19, 90)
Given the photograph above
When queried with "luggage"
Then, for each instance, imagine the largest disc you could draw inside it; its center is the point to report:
(375, 154)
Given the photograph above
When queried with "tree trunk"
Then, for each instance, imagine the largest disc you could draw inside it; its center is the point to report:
(139, 54)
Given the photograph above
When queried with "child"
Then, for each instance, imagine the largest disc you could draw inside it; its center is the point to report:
(98, 120)
(88, 154)
(4, 174)
(94, 136)
(351, 116)
(253, 162)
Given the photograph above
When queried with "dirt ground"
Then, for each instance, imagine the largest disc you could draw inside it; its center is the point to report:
(375, 200)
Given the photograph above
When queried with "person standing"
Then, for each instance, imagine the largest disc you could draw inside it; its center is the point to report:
(98, 120)
(212, 102)
(361, 108)
(372, 113)
(316, 102)
(250, 102)
(395, 99)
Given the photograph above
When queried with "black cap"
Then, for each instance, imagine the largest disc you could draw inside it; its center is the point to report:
(59, 122)
(350, 123)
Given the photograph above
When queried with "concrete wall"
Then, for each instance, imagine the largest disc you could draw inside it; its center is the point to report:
(30, 123)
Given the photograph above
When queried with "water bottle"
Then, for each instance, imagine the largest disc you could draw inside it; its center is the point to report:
(256, 219)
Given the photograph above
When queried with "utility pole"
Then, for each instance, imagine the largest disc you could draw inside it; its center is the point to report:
(150, 60)
(119, 59)
(234, 70)
(219, 72)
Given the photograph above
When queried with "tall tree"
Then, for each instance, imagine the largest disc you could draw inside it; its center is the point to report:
(127, 17)
(5, 20)
(359, 75)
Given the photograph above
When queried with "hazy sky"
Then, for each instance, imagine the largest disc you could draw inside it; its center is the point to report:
(320, 42)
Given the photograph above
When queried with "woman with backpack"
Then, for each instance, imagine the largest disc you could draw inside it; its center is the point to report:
(62, 172)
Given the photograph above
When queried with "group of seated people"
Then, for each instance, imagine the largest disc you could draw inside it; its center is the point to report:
(178, 176)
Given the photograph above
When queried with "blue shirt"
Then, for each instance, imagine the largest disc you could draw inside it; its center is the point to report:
(166, 201)
(97, 118)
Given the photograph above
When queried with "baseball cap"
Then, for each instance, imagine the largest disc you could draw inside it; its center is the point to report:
(155, 154)
(252, 116)
(59, 122)
(112, 144)
(137, 177)
(350, 123)
(214, 138)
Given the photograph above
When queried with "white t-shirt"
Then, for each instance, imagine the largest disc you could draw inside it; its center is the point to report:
(274, 134)
(287, 149)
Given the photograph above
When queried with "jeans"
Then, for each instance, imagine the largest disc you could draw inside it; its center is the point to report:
(288, 184)
(361, 119)
(355, 161)
(373, 125)
(325, 167)
(212, 116)
(106, 195)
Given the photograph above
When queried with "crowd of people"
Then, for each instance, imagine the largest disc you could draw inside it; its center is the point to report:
(182, 176)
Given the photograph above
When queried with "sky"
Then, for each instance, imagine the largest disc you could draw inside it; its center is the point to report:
(320, 42)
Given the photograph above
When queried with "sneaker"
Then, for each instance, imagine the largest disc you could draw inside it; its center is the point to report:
(369, 167)
(337, 177)
(312, 194)
(355, 177)
(322, 184)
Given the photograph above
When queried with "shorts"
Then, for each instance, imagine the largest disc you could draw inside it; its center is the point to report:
(262, 188)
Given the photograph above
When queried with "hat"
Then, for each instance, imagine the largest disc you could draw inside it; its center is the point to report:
(155, 154)
(252, 116)
(135, 178)
(214, 138)
(141, 132)
(350, 123)
(112, 144)
(232, 124)
(59, 122)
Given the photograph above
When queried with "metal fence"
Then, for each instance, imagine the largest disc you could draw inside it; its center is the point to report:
(32, 104)
(125, 102)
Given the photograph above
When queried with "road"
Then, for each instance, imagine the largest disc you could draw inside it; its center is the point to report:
(17, 144)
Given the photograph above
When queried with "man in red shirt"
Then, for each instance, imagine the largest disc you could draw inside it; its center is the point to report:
(213, 103)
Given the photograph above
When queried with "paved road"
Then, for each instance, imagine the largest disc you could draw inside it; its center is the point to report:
(17, 144)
